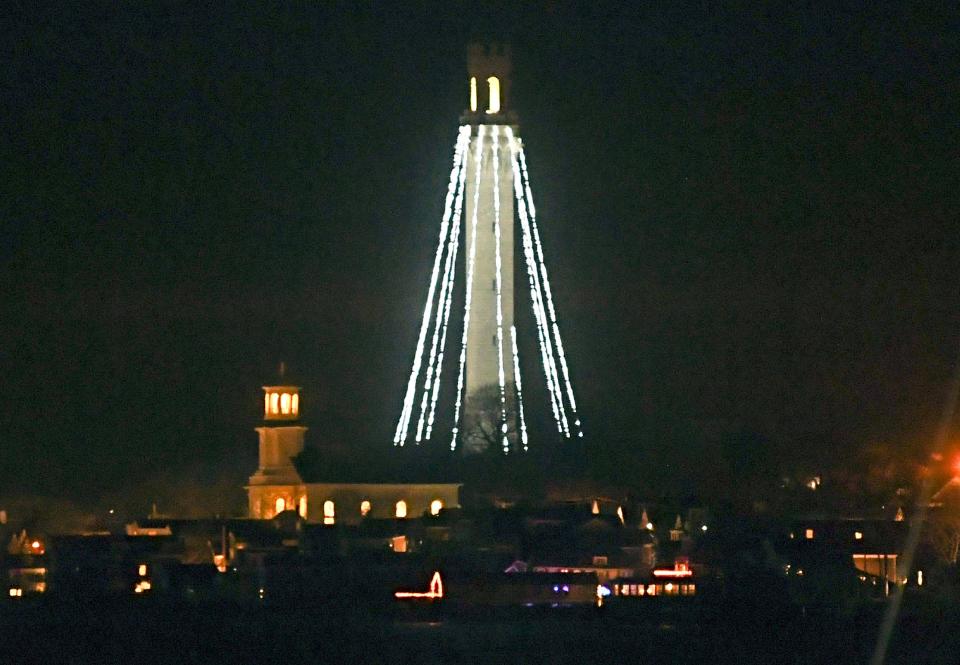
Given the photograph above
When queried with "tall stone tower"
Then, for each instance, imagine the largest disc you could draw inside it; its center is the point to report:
(276, 486)
(487, 195)
(489, 202)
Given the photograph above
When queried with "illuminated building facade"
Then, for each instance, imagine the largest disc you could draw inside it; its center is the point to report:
(488, 196)
(279, 484)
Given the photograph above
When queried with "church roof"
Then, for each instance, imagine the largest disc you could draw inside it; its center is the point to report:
(326, 466)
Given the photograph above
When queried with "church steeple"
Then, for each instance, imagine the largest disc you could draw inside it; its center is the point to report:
(277, 486)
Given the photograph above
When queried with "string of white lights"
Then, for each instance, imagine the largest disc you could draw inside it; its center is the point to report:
(519, 385)
(536, 296)
(402, 426)
(501, 375)
(443, 304)
(478, 161)
(532, 278)
(546, 285)
(457, 215)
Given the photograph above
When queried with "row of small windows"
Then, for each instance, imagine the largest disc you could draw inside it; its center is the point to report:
(286, 404)
(399, 509)
(330, 511)
(668, 589)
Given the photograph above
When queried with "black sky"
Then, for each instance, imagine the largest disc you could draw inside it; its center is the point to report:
(750, 215)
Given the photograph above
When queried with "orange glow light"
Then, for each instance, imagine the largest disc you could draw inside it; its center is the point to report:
(672, 573)
(435, 591)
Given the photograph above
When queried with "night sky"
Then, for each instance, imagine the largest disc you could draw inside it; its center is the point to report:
(750, 217)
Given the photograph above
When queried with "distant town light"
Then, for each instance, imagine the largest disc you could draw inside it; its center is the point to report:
(142, 570)
(858, 535)
(919, 578)
(704, 528)
(364, 508)
(808, 534)
(650, 526)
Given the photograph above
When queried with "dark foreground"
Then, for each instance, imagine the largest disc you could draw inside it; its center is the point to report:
(49, 631)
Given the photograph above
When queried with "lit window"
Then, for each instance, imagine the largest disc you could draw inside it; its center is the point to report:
(858, 535)
(303, 507)
(435, 507)
(808, 534)
(364, 508)
(285, 403)
(295, 404)
(401, 510)
(328, 512)
(473, 94)
(266, 404)
(399, 544)
(142, 570)
(274, 402)
(494, 101)
(280, 505)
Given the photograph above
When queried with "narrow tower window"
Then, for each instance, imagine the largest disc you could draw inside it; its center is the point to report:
(274, 403)
(364, 508)
(494, 101)
(295, 404)
(473, 94)
(435, 507)
(285, 404)
(401, 511)
(280, 505)
(328, 512)
(303, 507)
(266, 404)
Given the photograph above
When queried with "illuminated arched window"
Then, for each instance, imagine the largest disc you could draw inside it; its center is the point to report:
(435, 507)
(401, 510)
(364, 508)
(494, 99)
(473, 94)
(303, 507)
(285, 403)
(328, 512)
(295, 404)
(266, 404)
(280, 505)
(274, 403)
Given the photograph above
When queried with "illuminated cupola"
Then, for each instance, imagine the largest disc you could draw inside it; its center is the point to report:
(489, 69)
(281, 403)
(277, 486)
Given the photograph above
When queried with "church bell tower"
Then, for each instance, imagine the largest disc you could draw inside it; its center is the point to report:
(276, 486)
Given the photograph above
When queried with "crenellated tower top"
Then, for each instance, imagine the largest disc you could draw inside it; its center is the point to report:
(489, 67)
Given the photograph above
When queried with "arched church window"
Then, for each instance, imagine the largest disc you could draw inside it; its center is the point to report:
(274, 403)
(401, 510)
(364, 508)
(285, 403)
(473, 94)
(295, 404)
(435, 507)
(329, 514)
(303, 507)
(266, 404)
(280, 505)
